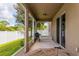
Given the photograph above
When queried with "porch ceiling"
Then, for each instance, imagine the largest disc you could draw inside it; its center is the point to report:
(44, 11)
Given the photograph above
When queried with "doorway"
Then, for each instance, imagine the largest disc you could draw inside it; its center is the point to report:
(61, 30)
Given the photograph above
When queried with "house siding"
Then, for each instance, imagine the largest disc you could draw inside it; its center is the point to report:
(71, 26)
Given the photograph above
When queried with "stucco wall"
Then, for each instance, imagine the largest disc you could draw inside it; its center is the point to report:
(72, 25)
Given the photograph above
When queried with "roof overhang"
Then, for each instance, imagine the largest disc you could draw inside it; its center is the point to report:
(43, 11)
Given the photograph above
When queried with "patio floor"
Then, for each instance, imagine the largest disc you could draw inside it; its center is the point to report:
(45, 42)
(44, 48)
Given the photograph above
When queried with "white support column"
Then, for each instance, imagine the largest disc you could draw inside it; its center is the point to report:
(33, 29)
(50, 30)
(26, 31)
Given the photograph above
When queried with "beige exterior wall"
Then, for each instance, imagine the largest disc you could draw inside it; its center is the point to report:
(72, 25)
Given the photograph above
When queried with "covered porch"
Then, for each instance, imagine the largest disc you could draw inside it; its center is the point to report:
(41, 13)
(48, 45)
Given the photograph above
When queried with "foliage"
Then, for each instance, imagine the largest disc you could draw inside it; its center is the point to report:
(19, 26)
(41, 26)
(20, 15)
(4, 22)
(9, 48)
(3, 25)
(19, 18)
(11, 28)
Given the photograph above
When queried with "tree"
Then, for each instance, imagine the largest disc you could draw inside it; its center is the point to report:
(4, 22)
(19, 18)
(20, 15)
(3, 25)
(41, 26)
(19, 26)
(11, 28)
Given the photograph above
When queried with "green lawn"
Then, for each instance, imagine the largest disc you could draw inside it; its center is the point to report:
(9, 48)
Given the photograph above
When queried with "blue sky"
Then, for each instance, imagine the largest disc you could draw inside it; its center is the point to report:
(7, 12)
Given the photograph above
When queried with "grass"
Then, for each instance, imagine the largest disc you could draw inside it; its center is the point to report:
(9, 48)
